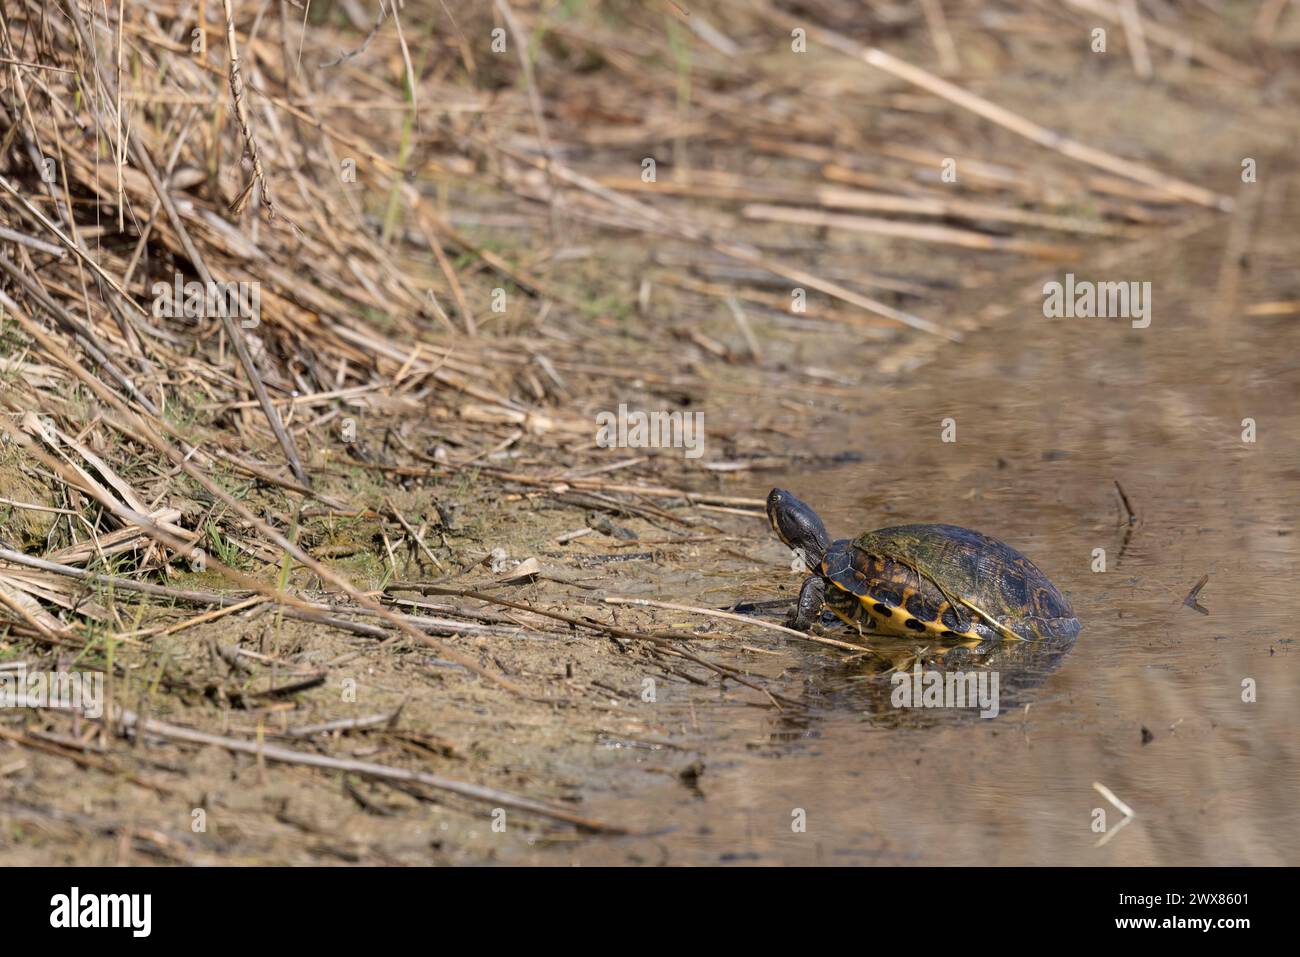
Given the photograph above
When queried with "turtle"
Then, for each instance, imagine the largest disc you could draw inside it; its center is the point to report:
(921, 581)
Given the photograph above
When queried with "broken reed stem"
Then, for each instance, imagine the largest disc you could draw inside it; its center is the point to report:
(245, 128)
(1021, 126)
(123, 584)
(1048, 138)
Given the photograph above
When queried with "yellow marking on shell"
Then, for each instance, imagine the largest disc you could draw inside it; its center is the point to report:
(893, 624)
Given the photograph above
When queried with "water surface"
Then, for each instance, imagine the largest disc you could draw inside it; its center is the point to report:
(1149, 702)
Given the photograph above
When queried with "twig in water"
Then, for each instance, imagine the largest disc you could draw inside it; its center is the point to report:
(1191, 602)
(1128, 507)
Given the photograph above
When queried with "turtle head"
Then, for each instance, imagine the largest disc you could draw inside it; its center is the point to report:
(798, 526)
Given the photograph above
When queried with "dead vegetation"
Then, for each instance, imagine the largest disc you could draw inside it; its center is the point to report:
(454, 233)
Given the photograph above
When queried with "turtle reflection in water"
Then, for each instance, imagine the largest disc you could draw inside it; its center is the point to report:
(963, 598)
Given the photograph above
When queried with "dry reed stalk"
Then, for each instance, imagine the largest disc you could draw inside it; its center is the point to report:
(1035, 132)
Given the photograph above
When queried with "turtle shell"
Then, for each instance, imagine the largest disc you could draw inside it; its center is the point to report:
(947, 581)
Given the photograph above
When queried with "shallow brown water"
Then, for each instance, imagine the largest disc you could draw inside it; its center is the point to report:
(1048, 414)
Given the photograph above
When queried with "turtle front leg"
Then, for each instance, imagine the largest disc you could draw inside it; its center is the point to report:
(812, 596)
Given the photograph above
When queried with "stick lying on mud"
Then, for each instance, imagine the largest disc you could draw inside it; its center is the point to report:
(732, 616)
(591, 623)
(309, 611)
(650, 491)
(61, 749)
(124, 584)
(133, 723)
